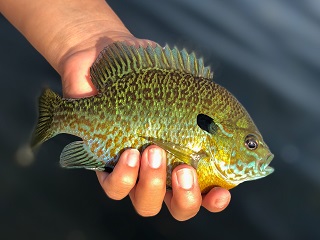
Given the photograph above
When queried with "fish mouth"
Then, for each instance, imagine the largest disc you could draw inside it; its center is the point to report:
(265, 166)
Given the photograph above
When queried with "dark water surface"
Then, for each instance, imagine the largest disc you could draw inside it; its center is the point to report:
(267, 54)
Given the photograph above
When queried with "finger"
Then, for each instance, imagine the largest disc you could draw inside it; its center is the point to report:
(75, 80)
(217, 199)
(147, 196)
(185, 200)
(124, 176)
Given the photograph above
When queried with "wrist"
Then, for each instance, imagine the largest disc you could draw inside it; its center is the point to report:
(84, 30)
(58, 28)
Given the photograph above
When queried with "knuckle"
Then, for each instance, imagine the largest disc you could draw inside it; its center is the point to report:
(191, 204)
(154, 184)
(127, 182)
(148, 203)
(148, 211)
(158, 183)
(114, 194)
(117, 189)
(184, 217)
(186, 212)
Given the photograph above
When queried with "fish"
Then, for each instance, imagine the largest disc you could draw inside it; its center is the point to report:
(163, 96)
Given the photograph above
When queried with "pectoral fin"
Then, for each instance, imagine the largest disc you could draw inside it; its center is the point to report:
(185, 154)
(78, 155)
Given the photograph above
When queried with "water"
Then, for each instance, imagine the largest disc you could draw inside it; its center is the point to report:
(266, 53)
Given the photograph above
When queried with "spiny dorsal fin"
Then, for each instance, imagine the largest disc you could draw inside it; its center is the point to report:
(119, 59)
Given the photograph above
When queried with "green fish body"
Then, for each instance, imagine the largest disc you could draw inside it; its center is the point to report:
(154, 95)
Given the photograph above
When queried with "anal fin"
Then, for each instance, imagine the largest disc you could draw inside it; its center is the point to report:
(78, 155)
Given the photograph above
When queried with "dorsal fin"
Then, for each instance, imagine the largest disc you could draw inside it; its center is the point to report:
(119, 59)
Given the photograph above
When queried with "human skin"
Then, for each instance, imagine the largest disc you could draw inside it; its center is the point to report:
(70, 34)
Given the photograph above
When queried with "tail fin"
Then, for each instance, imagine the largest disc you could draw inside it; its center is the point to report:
(47, 104)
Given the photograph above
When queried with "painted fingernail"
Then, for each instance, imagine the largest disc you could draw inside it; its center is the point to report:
(155, 157)
(133, 158)
(185, 178)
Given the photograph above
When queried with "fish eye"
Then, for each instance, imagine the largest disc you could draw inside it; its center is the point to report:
(251, 142)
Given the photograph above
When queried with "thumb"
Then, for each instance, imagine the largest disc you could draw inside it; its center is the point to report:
(76, 82)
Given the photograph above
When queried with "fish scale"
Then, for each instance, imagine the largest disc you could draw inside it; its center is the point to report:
(133, 129)
(159, 96)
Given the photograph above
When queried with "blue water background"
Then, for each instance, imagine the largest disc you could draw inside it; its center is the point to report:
(267, 53)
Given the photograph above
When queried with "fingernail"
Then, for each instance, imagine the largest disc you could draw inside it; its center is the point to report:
(133, 158)
(185, 178)
(154, 157)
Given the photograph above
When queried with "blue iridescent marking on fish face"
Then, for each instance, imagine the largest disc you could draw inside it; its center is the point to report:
(230, 135)
(246, 162)
(257, 168)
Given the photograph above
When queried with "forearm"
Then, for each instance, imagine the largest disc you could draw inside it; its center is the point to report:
(56, 27)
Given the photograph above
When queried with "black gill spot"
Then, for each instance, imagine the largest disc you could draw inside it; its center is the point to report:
(108, 169)
(207, 124)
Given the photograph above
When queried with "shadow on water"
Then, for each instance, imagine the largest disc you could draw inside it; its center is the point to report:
(265, 53)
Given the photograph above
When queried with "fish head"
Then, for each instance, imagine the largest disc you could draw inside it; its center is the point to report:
(242, 155)
(234, 151)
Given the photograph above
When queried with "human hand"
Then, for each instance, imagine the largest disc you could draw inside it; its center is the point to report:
(148, 194)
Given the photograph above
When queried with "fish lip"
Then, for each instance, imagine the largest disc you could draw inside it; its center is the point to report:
(265, 166)
(269, 159)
